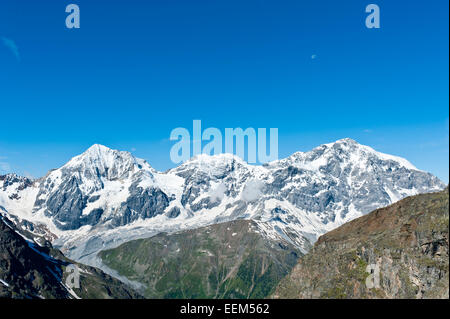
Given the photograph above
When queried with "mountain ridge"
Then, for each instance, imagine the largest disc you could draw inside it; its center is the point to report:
(407, 242)
(105, 197)
(33, 269)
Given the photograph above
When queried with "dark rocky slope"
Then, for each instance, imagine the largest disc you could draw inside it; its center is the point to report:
(28, 270)
(408, 241)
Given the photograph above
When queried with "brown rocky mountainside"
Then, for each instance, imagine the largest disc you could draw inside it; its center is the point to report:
(405, 243)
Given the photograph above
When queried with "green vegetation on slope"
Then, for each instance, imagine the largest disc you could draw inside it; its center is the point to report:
(228, 260)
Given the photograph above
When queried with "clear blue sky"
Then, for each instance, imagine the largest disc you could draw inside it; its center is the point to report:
(137, 69)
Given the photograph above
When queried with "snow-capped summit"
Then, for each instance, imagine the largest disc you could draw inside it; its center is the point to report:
(102, 161)
(345, 151)
(92, 188)
(204, 165)
(105, 197)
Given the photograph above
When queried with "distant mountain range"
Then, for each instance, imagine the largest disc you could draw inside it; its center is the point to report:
(104, 198)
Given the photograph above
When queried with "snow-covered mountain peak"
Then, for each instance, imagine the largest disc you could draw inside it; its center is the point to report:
(92, 170)
(344, 141)
(212, 165)
(363, 151)
(13, 178)
(342, 153)
(114, 196)
(102, 161)
(91, 187)
(98, 148)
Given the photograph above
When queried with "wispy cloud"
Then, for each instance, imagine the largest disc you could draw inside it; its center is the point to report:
(5, 167)
(11, 45)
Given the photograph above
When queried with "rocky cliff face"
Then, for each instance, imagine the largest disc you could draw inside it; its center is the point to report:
(227, 260)
(405, 243)
(29, 270)
(71, 194)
